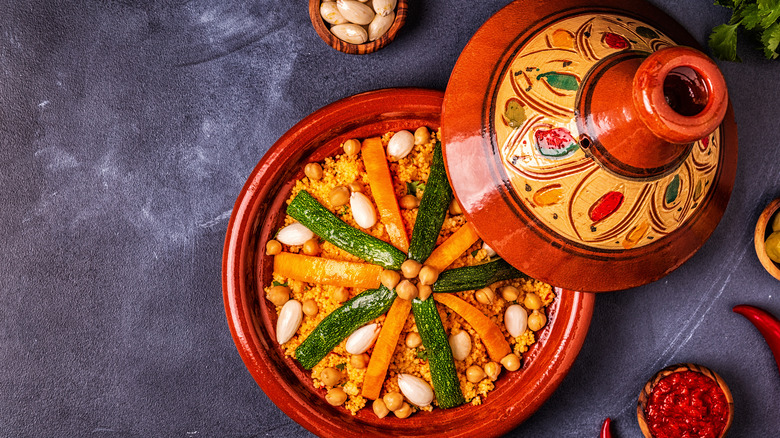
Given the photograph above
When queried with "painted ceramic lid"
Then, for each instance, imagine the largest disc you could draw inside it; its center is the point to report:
(589, 144)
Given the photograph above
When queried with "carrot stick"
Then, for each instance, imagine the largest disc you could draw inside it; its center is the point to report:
(453, 247)
(384, 348)
(495, 343)
(327, 271)
(382, 189)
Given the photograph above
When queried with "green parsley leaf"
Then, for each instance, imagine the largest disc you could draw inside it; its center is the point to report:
(769, 12)
(422, 354)
(341, 366)
(749, 16)
(413, 187)
(770, 38)
(723, 42)
(276, 283)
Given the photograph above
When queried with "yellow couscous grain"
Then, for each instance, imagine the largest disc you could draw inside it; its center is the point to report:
(409, 174)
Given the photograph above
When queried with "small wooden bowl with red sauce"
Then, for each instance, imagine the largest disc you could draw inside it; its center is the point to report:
(683, 396)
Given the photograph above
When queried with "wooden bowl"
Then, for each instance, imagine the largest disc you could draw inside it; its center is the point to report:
(257, 214)
(759, 237)
(322, 29)
(644, 395)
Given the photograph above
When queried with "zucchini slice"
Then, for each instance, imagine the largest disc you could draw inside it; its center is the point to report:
(443, 374)
(433, 209)
(475, 277)
(341, 323)
(308, 211)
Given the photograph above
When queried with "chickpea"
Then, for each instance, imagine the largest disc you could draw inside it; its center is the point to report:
(424, 291)
(311, 247)
(338, 196)
(380, 409)
(510, 293)
(355, 186)
(359, 361)
(404, 411)
(421, 135)
(341, 294)
(310, 307)
(273, 247)
(532, 301)
(406, 290)
(536, 321)
(389, 278)
(455, 208)
(336, 396)
(278, 295)
(410, 268)
(409, 202)
(413, 340)
(313, 171)
(351, 147)
(475, 374)
(330, 376)
(511, 362)
(485, 295)
(393, 400)
(492, 370)
(428, 275)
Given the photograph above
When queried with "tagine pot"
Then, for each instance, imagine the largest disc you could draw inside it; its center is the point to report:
(591, 144)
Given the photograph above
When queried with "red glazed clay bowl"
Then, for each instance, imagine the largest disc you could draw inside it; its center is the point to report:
(258, 212)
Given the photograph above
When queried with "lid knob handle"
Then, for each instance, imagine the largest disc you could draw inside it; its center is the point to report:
(679, 94)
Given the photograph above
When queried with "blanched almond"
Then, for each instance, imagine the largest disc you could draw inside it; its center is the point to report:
(361, 339)
(350, 33)
(355, 12)
(331, 14)
(516, 320)
(415, 389)
(384, 7)
(294, 234)
(362, 210)
(460, 343)
(289, 320)
(380, 25)
(488, 250)
(400, 144)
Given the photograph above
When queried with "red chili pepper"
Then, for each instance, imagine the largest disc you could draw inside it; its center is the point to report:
(605, 432)
(767, 324)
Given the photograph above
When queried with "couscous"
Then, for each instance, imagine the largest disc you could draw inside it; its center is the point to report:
(377, 187)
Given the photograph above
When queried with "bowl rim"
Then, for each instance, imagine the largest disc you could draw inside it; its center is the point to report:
(647, 389)
(238, 270)
(759, 238)
(325, 34)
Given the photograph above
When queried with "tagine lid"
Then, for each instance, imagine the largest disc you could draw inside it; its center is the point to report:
(591, 144)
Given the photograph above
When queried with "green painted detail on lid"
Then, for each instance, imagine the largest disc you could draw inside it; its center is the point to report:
(561, 81)
(673, 189)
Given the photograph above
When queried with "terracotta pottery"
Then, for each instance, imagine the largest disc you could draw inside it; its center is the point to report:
(588, 148)
(259, 212)
(323, 30)
(763, 230)
(644, 395)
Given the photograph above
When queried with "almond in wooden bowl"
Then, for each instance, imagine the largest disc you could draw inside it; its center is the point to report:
(765, 227)
(366, 25)
(685, 400)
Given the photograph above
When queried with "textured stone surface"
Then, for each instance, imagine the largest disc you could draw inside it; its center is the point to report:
(127, 130)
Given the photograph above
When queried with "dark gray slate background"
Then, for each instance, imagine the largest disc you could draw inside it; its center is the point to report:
(127, 130)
